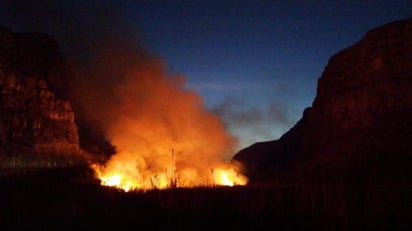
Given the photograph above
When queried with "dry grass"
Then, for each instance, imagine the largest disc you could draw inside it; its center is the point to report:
(66, 199)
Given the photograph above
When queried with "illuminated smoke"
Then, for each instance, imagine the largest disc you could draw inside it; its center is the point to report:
(162, 131)
(162, 134)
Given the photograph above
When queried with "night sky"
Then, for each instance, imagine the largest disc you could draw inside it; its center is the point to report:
(255, 63)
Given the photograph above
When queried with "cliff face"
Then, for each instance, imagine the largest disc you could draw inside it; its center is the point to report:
(360, 123)
(32, 115)
(33, 110)
(36, 55)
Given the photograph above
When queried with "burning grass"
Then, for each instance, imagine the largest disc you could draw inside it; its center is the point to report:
(226, 175)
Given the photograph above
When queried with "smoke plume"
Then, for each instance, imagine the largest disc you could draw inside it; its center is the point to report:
(120, 89)
(253, 122)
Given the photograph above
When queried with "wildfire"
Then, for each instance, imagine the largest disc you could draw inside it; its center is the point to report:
(228, 177)
(163, 135)
(120, 179)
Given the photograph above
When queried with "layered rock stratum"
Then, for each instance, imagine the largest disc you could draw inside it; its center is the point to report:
(36, 118)
(359, 127)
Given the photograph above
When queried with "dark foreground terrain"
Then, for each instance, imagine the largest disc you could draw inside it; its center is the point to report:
(64, 199)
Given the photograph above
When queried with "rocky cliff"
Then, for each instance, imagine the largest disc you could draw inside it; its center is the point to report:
(35, 116)
(360, 124)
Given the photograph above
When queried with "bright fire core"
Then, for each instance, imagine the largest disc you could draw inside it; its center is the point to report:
(120, 178)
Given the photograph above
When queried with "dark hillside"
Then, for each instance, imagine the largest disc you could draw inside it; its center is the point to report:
(359, 127)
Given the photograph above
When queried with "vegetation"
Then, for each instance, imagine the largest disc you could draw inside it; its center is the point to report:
(66, 198)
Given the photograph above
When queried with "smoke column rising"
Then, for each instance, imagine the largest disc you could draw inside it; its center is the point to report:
(156, 126)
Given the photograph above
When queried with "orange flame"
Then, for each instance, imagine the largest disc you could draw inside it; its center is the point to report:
(228, 177)
(164, 137)
(188, 178)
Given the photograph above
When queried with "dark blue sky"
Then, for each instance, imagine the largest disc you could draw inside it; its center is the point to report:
(255, 63)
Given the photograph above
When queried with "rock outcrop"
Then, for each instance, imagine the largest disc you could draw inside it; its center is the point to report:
(360, 124)
(35, 115)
